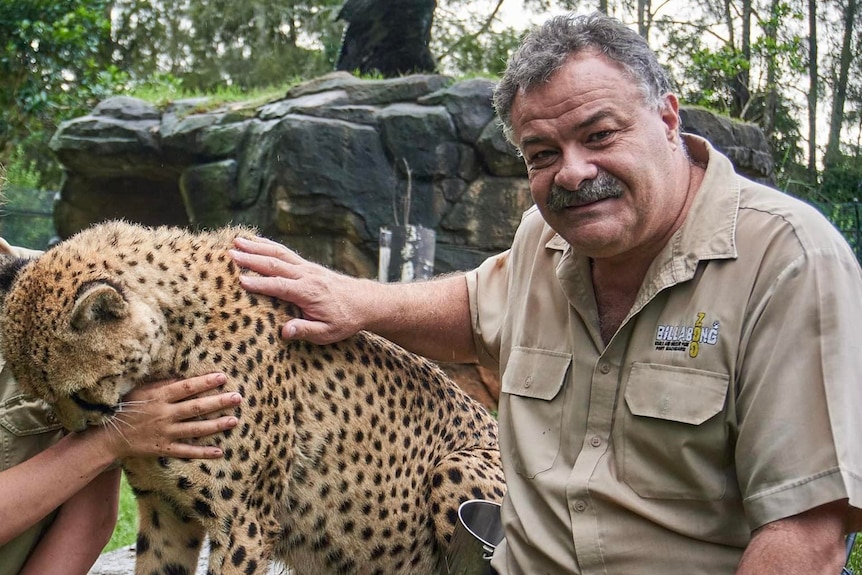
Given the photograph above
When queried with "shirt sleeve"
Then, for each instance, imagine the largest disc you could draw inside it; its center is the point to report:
(487, 288)
(799, 387)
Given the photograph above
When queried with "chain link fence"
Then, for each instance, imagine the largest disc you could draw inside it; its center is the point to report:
(26, 217)
(847, 217)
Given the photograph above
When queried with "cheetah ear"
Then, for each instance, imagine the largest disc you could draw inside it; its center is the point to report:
(99, 304)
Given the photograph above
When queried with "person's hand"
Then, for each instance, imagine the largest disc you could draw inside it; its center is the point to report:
(328, 300)
(155, 419)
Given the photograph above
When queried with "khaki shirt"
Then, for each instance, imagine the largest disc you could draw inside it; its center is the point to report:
(27, 426)
(725, 401)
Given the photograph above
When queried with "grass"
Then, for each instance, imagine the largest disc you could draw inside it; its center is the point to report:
(125, 532)
(163, 93)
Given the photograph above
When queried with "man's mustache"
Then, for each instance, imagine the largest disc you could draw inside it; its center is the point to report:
(604, 186)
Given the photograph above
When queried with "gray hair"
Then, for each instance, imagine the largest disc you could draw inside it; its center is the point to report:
(546, 49)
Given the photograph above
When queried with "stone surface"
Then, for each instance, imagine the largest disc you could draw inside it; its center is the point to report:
(122, 562)
(325, 167)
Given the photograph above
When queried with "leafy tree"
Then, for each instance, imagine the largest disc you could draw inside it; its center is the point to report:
(841, 80)
(206, 45)
(52, 61)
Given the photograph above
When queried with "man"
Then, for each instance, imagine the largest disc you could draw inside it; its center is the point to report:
(59, 494)
(676, 344)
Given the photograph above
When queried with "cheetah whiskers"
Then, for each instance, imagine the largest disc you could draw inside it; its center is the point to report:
(113, 423)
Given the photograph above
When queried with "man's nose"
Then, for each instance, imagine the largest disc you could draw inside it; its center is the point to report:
(577, 166)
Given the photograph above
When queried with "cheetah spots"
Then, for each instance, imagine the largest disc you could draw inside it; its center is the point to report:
(203, 509)
(142, 545)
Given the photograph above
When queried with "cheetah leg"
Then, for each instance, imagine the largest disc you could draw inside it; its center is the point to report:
(463, 475)
(238, 553)
(167, 544)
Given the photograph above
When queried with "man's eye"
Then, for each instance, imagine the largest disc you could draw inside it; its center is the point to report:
(541, 158)
(600, 136)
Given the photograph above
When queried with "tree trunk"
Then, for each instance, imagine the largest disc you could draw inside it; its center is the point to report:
(839, 95)
(741, 83)
(813, 86)
(771, 104)
(644, 18)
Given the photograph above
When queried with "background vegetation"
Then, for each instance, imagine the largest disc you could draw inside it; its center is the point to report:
(793, 67)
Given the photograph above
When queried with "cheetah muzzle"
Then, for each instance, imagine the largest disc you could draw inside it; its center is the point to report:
(350, 458)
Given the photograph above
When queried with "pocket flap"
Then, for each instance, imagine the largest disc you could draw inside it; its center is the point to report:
(535, 373)
(24, 415)
(675, 393)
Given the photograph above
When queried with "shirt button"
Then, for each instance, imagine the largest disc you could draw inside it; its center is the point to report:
(605, 368)
(580, 506)
(528, 381)
(595, 441)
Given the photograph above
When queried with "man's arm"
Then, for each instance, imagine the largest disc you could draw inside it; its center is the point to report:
(810, 543)
(81, 529)
(429, 318)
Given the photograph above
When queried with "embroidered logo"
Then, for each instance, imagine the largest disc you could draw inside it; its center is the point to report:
(688, 338)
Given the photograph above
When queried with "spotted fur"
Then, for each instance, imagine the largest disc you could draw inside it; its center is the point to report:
(350, 458)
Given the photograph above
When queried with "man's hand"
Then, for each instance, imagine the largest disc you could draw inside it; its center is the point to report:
(331, 303)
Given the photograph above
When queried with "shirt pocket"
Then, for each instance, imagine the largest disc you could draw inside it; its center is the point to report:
(674, 441)
(27, 426)
(533, 379)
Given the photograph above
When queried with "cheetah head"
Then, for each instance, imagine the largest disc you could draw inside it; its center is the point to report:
(79, 342)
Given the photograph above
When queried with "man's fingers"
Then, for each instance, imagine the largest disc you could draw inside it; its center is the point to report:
(314, 331)
(277, 287)
(264, 247)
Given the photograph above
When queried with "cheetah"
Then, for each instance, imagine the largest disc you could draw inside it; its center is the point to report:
(349, 458)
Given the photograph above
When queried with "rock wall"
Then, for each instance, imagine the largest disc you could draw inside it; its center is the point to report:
(324, 167)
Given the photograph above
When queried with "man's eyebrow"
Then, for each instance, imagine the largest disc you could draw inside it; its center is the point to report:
(590, 120)
(595, 118)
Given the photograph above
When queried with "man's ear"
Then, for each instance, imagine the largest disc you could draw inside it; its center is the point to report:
(98, 304)
(670, 116)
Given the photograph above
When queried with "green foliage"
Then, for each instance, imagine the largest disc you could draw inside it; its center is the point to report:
(126, 530)
(842, 181)
(205, 45)
(26, 212)
(466, 42)
(54, 67)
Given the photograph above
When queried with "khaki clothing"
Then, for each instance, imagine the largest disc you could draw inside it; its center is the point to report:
(27, 426)
(725, 400)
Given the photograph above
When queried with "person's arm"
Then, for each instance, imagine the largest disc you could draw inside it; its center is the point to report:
(161, 420)
(83, 526)
(431, 318)
(810, 543)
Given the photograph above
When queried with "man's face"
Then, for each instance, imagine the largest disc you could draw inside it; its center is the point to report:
(604, 169)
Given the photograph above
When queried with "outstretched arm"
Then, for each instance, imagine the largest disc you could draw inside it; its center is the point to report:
(161, 420)
(430, 318)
